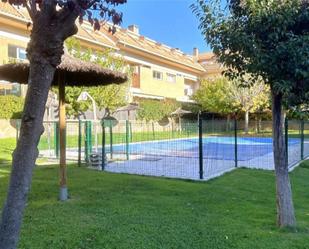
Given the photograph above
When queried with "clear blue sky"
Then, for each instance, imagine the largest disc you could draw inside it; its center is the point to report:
(170, 22)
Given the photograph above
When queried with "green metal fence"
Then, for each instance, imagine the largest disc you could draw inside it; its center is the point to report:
(199, 149)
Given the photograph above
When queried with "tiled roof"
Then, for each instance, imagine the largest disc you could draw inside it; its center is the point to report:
(210, 63)
(145, 44)
(8, 9)
(85, 31)
(122, 36)
(206, 56)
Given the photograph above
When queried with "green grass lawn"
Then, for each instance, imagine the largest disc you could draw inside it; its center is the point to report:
(7, 146)
(114, 211)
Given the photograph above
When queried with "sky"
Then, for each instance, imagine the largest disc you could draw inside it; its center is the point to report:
(169, 22)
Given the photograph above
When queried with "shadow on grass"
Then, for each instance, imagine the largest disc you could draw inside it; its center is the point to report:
(304, 165)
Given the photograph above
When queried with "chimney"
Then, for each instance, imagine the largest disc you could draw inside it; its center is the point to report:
(195, 53)
(134, 28)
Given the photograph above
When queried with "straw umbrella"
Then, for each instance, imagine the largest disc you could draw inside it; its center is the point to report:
(128, 108)
(179, 112)
(71, 72)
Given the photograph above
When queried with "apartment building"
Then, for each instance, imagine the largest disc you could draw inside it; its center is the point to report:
(212, 67)
(159, 71)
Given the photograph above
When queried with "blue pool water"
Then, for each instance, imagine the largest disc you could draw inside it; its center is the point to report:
(220, 148)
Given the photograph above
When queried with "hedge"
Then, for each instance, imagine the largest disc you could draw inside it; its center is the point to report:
(11, 107)
(155, 110)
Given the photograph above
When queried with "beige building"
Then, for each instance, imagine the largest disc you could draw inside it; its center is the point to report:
(159, 71)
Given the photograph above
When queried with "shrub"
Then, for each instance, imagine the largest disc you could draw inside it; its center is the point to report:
(11, 107)
(155, 110)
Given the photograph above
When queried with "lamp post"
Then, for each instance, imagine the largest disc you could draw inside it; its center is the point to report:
(83, 97)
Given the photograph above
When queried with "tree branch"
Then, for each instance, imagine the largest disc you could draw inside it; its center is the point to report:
(48, 7)
(91, 3)
(31, 14)
(33, 7)
(28, 6)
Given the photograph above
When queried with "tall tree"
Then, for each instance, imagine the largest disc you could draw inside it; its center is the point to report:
(249, 98)
(53, 21)
(213, 96)
(268, 39)
(224, 96)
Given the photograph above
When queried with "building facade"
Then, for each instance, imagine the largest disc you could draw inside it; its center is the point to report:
(159, 71)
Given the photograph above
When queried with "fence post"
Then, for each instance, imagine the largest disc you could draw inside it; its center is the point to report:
(200, 135)
(302, 139)
(56, 139)
(153, 131)
(90, 136)
(79, 142)
(236, 142)
(103, 147)
(88, 140)
(127, 139)
(131, 134)
(111, 139)
(286, 131)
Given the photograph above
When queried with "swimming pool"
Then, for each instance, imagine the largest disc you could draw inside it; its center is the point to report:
(220, 148)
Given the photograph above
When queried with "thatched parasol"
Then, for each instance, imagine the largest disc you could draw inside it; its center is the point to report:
(128, 108)
(76, 72)
(179, 112)
(71, 72)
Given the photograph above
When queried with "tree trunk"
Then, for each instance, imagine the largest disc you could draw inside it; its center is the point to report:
(285, 208)
(246, 122)
(26, 152)
(44, 52)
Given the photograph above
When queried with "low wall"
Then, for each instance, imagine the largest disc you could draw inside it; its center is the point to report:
(8, 128)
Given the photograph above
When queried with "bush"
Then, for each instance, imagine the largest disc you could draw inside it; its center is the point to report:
(155, 110)
(11, 107)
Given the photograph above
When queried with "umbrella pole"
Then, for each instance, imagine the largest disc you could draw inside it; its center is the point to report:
(63, 195)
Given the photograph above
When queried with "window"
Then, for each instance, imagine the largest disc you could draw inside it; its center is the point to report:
(16, 52)
(157, 75)
(171, 77)
(10, 89)
(188, 91)
(21, 54)
(12, 51)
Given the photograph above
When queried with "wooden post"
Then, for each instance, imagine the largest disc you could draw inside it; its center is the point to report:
(63, 195)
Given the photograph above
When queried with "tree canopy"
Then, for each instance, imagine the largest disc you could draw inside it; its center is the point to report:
(221, 95)
(264, 38)
(224, 96)
(213, 96)
(155, 110)
(96, 12)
